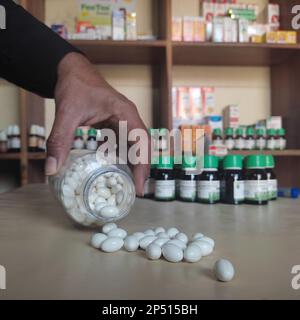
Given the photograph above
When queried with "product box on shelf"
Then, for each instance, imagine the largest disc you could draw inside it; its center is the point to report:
(188, 28)
(199, 29)
(183, 103)
(208, 11)
(218, 29)
(230, 30)
(174, 102)
(231, 116)
(272, 15)
(271, 37)
(131, 26)
(118, 28)
(274, 122)
(243, 34)
(196, 101)
(209, 101)
(177, 28)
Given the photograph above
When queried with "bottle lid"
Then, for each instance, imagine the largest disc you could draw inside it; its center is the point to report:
(211, 162)
(295, 192)
(78, 132)
(92, 132)
(165, 162)
(163, 131)
(270, 162)
(239, 131)
(10, 130)
(260, 132)
(233, 162)
(250, 131)
(217, 132)
(256, 162)
(229, 131)
(281, 132)
(3, 136)
(271, 132)
(16, 130)
(189, 162)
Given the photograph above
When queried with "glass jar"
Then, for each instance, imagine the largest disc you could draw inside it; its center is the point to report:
(188, 179)
(91, 190)
(229, 139)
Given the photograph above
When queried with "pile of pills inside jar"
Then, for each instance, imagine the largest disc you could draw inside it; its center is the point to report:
(171, 244)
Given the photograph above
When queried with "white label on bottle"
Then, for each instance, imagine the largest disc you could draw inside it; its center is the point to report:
(249, 144)
(187, 189)
(272, 188)
(78, 144)
(92, 145)
(149, 186)
(261, 144)
(256, 190)
(239, 190)
(218, 143)
(165, 189)
(271, 144)
(281, 144)
(229, 143)
(239, 143)
(15, 143)
(209, 190)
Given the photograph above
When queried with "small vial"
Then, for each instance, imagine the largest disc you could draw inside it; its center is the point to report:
(249, 140)
(256, 180)
(33, 138)
(3, 142)
(281, 139)
(229, 138)
(15, 140)
(261, 141)
(239, 141)
(78, 142)
(188, 179)
(271, 139)
(217, 138)
(92, 143)
(165, 179)
(232, 183)
(208, 187)
(272, 180)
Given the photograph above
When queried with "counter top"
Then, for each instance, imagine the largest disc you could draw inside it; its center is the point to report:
(46, 257)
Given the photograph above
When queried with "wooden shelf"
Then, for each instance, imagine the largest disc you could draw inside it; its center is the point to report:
(10, 156)
(277, 153)
(36, 155)
(232, 54)
(122, 52)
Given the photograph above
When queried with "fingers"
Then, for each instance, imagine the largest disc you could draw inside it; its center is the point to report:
(60, 141)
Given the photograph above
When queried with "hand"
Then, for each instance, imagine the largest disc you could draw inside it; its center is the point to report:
(83, 97)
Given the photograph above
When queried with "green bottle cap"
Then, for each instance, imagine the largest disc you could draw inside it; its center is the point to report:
(163, 131)
(217, 132)
(229, 131)
(92, 132)
(78, 132)
(189, 162)
(260, 132)
(211, 162)
(239, 131)
(270, 162)
(271, 132)
(165, 162)
(281, 132)
(256, 162)
(233, 162)
(250, 131)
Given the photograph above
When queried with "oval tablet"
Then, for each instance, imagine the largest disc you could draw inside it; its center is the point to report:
(192, 253)
(172, 253)
(109, 212)
(131, 243)
(118, 232)
(108, 227)
(97, 240)
(112, 244)
(144, 242)
(224, 270)
(153, 251)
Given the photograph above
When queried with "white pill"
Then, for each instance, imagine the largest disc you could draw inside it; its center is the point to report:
(161, 241)
(153, 251)
(101, 179)
(197, 236)
(209, 240)
(192, 253)
(163, 235)
(131, 243)
(97, 240)
(71, 182)
(118, 232)
(112, 244)
(172, 232)
(109, 212)
(139, 235)
(104, 193)
(206, 248)
(159, 229)
(115, 189)
(112, 200)
(224, 270)
(149, 232)
(111, 182)
(182, 237)
(99, 200)
(93, 197)
(108, 174)
(119, 197)
(69, 202)
(108, 227)
(172, 253)
(100, 185)
(120, 180)
(177, 243)
(99, 206)
(144, 242)
(68, 191)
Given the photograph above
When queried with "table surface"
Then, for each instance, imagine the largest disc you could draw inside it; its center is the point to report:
(46, 257)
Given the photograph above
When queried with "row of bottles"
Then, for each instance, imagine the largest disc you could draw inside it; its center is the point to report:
(90, 143)
(10, 140)
(37, 139)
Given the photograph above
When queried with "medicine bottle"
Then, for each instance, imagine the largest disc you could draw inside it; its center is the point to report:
(33, 139)
(188, 179)
(239, 140)
(229, 138)
(92, 190)
(150, 182)
(15, 139)
(163, 139)
(9, 134)
(92, 143)
(208, 186)
(261, 141)
(281, 139)
(78, 143)
(249, 140)
(177, 172)
(271, 139)
(3, 142)
(164, 179)
(272, 180)
(42, 140)
(256, 180)
(232, 183)
(217, 138)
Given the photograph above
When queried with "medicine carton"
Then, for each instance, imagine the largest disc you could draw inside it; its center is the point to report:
(230, 30)
(291, 37)
(131, 26)
(271, 37)
(199, 29)
(218, 29)
(196, 101)
(183, 103)
(177, 28)
(220, 10)
(188, 28)
(231, 116)
(274, 122)
(174, 102)
(272, 14)
(208, 11)
(209, 103)
(118, 28)
(243, 34)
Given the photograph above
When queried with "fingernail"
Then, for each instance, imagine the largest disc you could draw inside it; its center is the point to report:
(51, 166)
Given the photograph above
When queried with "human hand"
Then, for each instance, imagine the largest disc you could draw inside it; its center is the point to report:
(83, 97)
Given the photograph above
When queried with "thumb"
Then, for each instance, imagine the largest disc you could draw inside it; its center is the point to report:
(59, 142)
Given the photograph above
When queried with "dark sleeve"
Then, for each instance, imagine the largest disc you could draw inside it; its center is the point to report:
(29, 51)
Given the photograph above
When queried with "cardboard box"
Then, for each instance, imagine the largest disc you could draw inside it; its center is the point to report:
(199, 29)
(118, 28)
(243, 34)
(131, 27)
(208, 11)
(291, 37)
(196, 101)
(230, 30)
(183, 103)
(231, 116)
(257, 39)
(188, 28)
(274, 123)
(177, 28)
(271, 37)
(272, 15)
(209, 103)
(218, 29)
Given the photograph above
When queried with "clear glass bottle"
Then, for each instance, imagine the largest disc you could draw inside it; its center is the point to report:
(188, 179)
(249, 140)
(261, 141)
(91, 190)
(229, 138)
(281, 139)
(217, 139)
(208, 186)
(239, 140)
(272, 180)
(271, 139)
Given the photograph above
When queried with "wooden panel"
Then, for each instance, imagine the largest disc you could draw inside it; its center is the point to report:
(10, 156)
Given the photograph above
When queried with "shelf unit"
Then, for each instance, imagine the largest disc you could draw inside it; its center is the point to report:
(161, 55)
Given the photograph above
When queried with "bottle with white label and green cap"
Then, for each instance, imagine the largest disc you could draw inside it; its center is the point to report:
(164, 179)
(188, 179)
(256, 180)
(208, 186)
(281, 139)
(92, 143)
(272, 180)
(239, 140)
(78, 143)
(249, 140)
